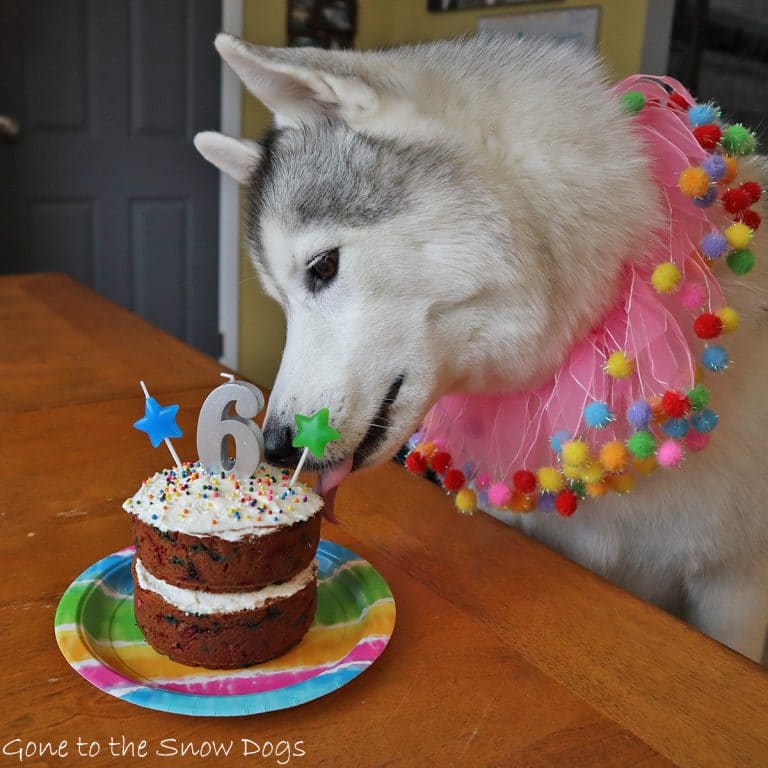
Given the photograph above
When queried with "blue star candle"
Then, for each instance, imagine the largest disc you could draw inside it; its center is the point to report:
(159, 422)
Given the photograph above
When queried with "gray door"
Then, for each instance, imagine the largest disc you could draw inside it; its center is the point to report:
(103, 181)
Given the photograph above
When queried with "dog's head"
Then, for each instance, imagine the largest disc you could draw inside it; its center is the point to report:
(401, 274)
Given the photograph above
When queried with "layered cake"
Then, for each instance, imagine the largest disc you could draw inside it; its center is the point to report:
(224, 574)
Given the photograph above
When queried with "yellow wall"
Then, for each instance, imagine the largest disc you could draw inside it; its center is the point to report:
(382, 23)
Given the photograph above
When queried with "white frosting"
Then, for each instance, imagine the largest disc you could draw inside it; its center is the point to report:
(199, 503)
(192, 601)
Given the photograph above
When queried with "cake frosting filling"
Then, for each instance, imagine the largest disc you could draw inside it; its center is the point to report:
(194, 601)
(200, 503)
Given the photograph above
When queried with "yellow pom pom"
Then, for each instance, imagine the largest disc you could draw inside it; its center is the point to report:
(738, 235)
(575, 453)
(550, 480)
(694, 182)
(666, 277)
(572, 472)
(614, 456)
(597, 489)
(730, 319)
(592, 473)
(619, 366)
(466, 500)
(644, 466)
(622, 483)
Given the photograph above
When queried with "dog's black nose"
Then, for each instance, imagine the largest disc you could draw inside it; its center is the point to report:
(278, 445)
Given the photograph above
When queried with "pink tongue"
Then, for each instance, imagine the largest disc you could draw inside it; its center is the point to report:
(328, 482)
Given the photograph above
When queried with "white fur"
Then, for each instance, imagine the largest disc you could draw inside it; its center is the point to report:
(489, 275)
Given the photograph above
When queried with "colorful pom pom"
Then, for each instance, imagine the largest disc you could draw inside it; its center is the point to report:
(729, 318)
(592, 472)
(697, 441)
(639, 414)
(623, 483)
(752, 190)
(547, 502)
(741, 262)
(670, 454)
(557, 440)
(707, 200)
(440, 461)
(714, 165)
(428, 450)
(633, 101)
(738, 235)
(550, 480)
(708, 326)
(738, 140)
(619, 366)
(524, 481)
(692, 295)
(499, 494)
(597, 415)
(415, 463)
(595, 490)
(675, 404)
(613, 455)
(566, 502)
(642, 444)
(644, 466)
(715, 358)
(731, 169)
(751, 218)
(705, 420)
(714, 245)
(572, 472)
(676, 427)
(735, 200)
(454, 480)
(707, 135)
(701, 114)
(522, 502)
(698, 397)
(694, 182)
(466, 500)
(482, 481)
(666, 278)
(677, 101)
(575, 453)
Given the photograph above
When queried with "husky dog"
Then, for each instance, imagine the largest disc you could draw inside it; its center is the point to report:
(453, 217)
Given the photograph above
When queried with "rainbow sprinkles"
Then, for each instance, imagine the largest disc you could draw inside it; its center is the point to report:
(631, 396)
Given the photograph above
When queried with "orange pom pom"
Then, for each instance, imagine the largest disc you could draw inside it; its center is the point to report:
(622, 483)
(694, 182)
(731, 170)
(614, 456)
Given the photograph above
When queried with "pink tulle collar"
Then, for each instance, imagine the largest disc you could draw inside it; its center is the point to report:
(626, 399)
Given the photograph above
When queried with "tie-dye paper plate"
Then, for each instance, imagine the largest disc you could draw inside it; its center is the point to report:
(97, 633)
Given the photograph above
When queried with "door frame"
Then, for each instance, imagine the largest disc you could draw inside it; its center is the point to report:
(229, 201)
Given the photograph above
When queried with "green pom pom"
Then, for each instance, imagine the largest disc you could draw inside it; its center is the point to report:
(699, 397)
(578, 487)
(632, 101)
(738, 140)
(741, 262)
(642, 445)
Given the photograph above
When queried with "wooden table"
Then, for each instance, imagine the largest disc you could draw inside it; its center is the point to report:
(504, 653)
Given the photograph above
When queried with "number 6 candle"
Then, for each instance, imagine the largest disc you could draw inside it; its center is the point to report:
(227, 412)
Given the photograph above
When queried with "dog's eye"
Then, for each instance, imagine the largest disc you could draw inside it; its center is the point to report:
(323, 269)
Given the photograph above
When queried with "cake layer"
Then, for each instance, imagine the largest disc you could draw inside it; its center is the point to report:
(228, 639)
(221, 565)
(196, 502)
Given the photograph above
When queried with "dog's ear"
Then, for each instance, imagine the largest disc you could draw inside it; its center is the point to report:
(296, 84)
(236, 157)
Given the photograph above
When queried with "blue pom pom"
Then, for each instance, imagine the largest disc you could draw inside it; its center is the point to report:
(708, 199)
(714, 245)
(702, 114)
(715, 358)
(639, 414)
(675, 427)
(482, 499)
(715, 167)
(547, 502)
(704, 420)
(557, 440)
(598, 415)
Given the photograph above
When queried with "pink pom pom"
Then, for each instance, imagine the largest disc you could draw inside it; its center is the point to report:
(692, 295)
(482, 481)
(499, 494)
(697, 441)
(670, 454)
